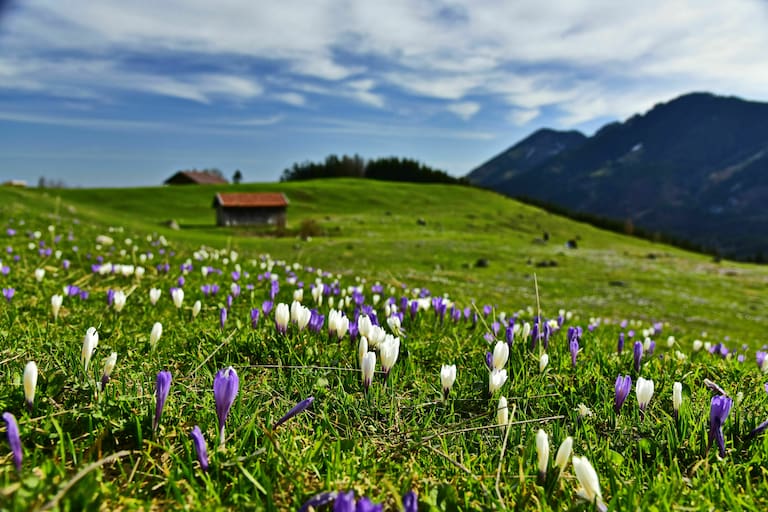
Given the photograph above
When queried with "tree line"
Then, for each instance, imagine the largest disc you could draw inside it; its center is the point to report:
(385, 169)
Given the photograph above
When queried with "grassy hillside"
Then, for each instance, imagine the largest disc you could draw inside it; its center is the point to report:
(372, 227)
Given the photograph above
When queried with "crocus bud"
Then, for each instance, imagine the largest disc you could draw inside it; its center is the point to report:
(638, 354)
(543, 362)
(720, 407)
(587, 477)
(303, 316)
(389, 350)
(56, 301)
(30, 383)
(644, 391)
(502, 412)
(119, 300)
(623, 386)
(282, 317)
(162, 387)
(496, 379)
(39, 274)
(368, 367)
(109, 365)
(196, 307)
(542, 451)
(200, 448)
(177, 294)
(154, 295)
(14, 439)
(500, 355)
(564, 454)
(296, 409)
(362, 349)
(225, 387)
(90, 342)
(677, 398)
(154, 336)
(447, 378)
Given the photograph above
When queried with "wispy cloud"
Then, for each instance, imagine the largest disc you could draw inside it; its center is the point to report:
(464, 110)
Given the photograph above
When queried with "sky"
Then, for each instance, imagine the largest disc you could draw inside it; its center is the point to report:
(114, 93)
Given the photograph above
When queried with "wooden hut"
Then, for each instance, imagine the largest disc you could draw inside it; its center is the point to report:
(195, 178)
(250, 209)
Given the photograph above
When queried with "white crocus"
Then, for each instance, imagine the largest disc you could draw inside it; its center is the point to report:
(368, 367)
(447, 378)
(697, 344)
(196, 307)
(282, 316)
(154, 336)
(496, 379)
(564, 454)
(500, 355)
(677, 397)
(39, 274)
(109, 365)
(303, 316)
(154, 295)
(587, 477)
(30, 382)
(502, 412)
(362, 349)
(644, 391)
(394, 324)
(90, 342)
(543, 362)
(364, 325)
(118, 301)
(389, 350)
(298, 295)
(542, 451)
(56, 301)
(178, 297)
(317, 294)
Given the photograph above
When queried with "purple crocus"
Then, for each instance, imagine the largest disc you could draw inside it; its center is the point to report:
(638, 353)
(623, 387)
(254, 317)
(364, 504)
(298, 408)
(574, 346)
(718, 413)
(162, 388)
(319, 500)
(411, 502)
(110, 296)
(223, 317)
(345, 502)
(489, 360)
(8, 293)
(225, 386)
(200, 447)
(13, 439)
(620, 346)
(266, 306)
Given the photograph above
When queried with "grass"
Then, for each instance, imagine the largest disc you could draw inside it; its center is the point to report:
(86, 448)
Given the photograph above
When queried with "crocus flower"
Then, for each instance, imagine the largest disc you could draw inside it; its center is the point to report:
(389, 350)
(200, 448)
(362, 349)
(222, 317)
(542, 452)
(345, 502)
(14, 440)
(162, 387)
(623, 387)
(447, 378)
(502, 412)
(119, 300)
(30, 383)
(368, 367)
(154, 336)
(543, 362)
(718, 412)
(590, 485)
(564, 454)
(411, 502)
(319, 500)
(154, 295)
(620, 345)
(225, 386)
(644, 391)
(8, 293)
(254, 317)
(677, 398)
(364, 504)
(282, 317)
(500, 355)
(90, 342)
(109, 365)
(177, 294)
(56, 301)
(196, 307)
(496, 379)
(638, 353)
(298, 408)
(574, 347)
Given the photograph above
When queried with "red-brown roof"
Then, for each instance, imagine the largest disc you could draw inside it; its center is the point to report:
(199, 177)
(250, 199)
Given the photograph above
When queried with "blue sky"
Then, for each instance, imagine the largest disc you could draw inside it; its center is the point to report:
(115, 93)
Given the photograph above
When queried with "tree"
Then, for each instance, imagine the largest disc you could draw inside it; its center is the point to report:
(237, 177)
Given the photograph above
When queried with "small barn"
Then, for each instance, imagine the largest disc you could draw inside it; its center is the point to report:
(250, 209)
(195, 178)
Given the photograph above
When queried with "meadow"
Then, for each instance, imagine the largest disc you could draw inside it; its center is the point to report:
(534, 337)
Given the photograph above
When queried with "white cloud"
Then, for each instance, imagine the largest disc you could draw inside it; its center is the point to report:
(521, 116)
(464, 110)
(291, 98)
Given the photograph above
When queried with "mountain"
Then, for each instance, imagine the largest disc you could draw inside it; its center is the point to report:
(694, 168)
(529, 153)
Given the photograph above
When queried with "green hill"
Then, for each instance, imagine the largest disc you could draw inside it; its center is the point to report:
(434, 236)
